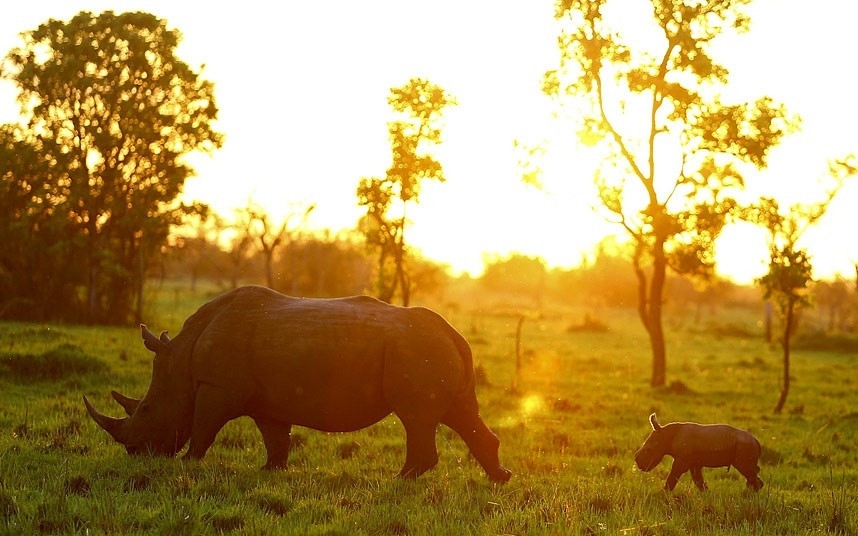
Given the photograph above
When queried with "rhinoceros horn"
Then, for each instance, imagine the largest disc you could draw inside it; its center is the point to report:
(128, 403)
(114, 427)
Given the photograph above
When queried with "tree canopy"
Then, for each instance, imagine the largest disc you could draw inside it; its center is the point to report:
(420, 105)
(111, 113)
(673, 148)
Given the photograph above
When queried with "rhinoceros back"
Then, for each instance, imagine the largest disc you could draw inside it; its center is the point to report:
(330, 364)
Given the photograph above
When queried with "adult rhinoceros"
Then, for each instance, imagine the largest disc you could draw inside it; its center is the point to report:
(335, 365)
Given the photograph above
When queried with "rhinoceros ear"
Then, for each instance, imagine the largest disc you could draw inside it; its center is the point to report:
(164, 337)
(127, 403)
(152, 342)
(654, 422)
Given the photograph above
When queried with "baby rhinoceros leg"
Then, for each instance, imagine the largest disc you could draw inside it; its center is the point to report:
(750, 472)
(697, 476)
(747, 463)
(676, 470)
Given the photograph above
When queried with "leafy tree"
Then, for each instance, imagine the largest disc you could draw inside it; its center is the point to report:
(673, 149)
(420, 105)
(37, 258)
(113, 111)
(790, 270)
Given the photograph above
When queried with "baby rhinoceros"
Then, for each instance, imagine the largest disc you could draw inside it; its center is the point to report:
(695, 446)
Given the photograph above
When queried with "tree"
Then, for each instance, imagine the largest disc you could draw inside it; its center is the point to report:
(37, 260)
(790, 270)
(114, 112)
(268, 237)
(420, 105)
(673, 150)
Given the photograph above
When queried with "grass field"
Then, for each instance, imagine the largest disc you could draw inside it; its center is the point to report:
(568, 431)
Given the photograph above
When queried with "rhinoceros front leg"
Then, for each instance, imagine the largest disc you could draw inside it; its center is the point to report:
(278, 440)
(213, 408)
(676, 470)
(697, 476)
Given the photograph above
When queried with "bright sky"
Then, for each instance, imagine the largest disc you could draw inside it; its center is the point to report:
(302, 90)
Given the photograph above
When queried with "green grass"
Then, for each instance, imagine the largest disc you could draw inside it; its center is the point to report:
(568, 432)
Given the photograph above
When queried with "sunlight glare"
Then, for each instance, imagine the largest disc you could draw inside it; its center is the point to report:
(532, 404)
(741, 252)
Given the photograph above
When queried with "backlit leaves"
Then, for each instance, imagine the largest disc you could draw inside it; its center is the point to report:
(419, 105)
(650, 102)
(114, 111)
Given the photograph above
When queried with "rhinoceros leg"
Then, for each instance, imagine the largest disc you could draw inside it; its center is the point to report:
(420, 451)
(697, 476)
(750, 470)
(676, 470)
(278, 440)
(213, 408)
(747, 456)
(481, 441)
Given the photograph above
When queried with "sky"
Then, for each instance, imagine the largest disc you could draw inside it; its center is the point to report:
(302, 90)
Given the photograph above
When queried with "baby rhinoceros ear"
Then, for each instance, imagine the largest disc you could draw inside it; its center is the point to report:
(654, 422)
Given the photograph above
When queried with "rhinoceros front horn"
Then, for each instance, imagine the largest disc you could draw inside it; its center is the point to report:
(114, 427)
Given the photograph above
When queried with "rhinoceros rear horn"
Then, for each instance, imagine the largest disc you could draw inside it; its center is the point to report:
(654, 422)
(128, 404)
(114, 427)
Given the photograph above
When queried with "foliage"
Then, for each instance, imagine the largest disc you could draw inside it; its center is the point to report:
(420, 104)
(790, 271)
(652, 107)
(568, 434)
(111, 113)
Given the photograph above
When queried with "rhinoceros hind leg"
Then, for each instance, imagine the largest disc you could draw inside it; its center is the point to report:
(697, 476)
(750, 473)
(481, 441)
(421, 453)
(278, 440)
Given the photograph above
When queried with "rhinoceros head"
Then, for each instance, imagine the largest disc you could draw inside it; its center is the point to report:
(654, 448)
(157, 423)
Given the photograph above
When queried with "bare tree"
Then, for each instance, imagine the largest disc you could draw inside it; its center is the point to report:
(268, 237)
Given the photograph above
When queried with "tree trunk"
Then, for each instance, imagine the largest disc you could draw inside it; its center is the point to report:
(656, 330)
(269, 271)
(785, 343)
